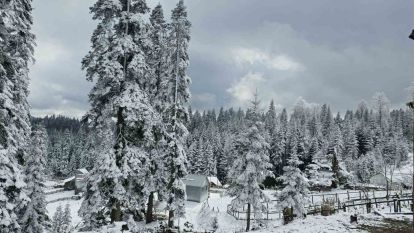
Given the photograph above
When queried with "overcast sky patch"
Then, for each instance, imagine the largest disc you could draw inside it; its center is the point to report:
(334, 52)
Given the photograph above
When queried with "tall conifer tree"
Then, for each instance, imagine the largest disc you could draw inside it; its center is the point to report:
(35, 218)
(16, 53)
(251, 166)
(177, 96)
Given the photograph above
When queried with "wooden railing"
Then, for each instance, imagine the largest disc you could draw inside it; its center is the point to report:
(364, 199)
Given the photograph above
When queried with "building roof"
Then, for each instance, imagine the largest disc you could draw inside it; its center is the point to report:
(68, 179)
(195, 180)
(82, 170)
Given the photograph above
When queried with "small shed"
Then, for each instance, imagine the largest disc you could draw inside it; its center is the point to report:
(69, 183)
(196, 187)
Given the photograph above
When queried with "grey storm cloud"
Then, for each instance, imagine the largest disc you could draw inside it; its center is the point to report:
(335, 52)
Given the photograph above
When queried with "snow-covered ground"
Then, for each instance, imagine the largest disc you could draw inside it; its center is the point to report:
(216, 206)
(59, 195)
(54, 198)
(74, 207)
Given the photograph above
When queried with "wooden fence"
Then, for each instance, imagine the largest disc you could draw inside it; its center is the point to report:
(340, 201)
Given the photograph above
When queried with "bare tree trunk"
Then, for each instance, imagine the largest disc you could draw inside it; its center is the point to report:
(386, 180)
(150, 207)
(248, 217)
(116, 215)
(170, 219)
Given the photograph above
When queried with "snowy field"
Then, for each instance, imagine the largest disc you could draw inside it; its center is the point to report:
(216, 206)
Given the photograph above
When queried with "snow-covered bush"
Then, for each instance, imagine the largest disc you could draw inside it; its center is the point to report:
(295, 192)
(188, 227)
(207, 219)
(328, 206)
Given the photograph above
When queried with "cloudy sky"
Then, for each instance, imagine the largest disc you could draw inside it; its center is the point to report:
(335, 52)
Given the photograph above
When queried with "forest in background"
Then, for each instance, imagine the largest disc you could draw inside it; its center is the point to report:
(368, 140)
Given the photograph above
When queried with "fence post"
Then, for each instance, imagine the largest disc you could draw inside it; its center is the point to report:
(347, 192)
(399, 205)
(411, 204)
(395, 206)
(369, 207)
(339, 205)
(267, 211)
(360, 197)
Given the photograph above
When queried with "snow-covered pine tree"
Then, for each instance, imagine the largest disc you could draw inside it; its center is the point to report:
(381, 105)
(101, 182)
(88, 150)
(364, 140)
(78, 142)
(67, 221)
(62, 220)
(222, 160)
(176, 97)
(16, 53)
(314, 148)
(270, 118)
(191, 153)
(158, 61)
(221, 120)
(277, 150)
(326, 120)
(302, 144)
(199, 158)
(251, 166)
(227, 159)
(17, 46)
(210, 162)
(57, 220)
(336, 144)
(295, 192)
(65, 153)
(158, 58)
(105, 72)
(350, 143)
(118, 64)
(35, 218)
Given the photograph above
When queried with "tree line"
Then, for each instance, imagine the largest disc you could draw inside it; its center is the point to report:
(364, 141)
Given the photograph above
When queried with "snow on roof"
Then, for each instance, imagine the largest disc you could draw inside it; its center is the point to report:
(83, 170)
(68, 179)
(214, 180)
(195, 180)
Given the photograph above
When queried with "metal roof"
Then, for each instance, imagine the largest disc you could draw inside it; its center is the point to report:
(195, 180)
(82, 171)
